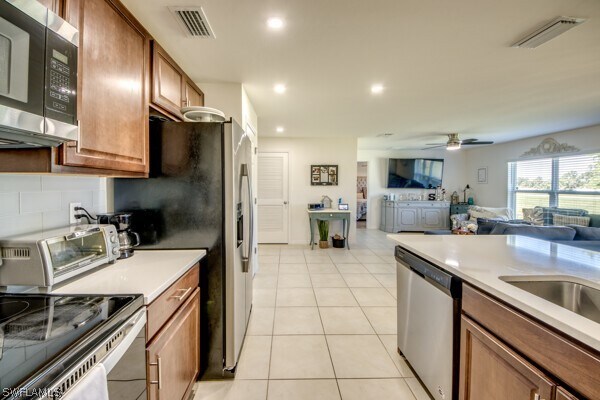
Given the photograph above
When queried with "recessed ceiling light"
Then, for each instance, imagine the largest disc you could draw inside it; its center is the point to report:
(275, 23)
(279, 88)
(377, 88)
(279, 129)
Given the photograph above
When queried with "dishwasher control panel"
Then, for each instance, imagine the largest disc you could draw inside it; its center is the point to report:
(445, 281)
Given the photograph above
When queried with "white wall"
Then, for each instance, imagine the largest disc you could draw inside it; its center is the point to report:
(496, 157)
(303, 153)
(453, 179)
(226, 97)
(362, 169)
(30, 203)
(249, 116)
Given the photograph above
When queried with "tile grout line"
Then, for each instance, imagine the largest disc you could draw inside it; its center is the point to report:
(327, 341)
(273, 327)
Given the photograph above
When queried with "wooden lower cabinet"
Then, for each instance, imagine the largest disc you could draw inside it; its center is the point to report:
(492, 371)
(173, 356)
(506, 354)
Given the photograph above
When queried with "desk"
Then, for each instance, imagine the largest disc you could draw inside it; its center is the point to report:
(328, 214)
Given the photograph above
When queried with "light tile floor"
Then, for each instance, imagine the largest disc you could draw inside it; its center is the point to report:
(323, 326)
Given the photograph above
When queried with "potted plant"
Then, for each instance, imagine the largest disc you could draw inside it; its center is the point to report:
(323, 233)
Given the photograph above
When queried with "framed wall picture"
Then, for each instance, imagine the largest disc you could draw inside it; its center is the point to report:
(324, 175)
(482, 175)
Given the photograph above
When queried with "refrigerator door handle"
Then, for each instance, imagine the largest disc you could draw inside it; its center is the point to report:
(247, 257)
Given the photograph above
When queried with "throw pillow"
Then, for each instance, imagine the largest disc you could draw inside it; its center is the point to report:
(533, 215)
(501, 214)
(548, 211)
(586, 233)
(564, 220)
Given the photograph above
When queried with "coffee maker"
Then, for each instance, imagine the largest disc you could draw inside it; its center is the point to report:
(127, 238)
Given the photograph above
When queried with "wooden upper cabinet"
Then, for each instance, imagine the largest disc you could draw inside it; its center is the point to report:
(113, 88)
(167, 81)
(193, 95)
(172, 89)
(490, 370)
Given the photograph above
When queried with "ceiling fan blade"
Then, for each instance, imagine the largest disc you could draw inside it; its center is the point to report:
(469, 140)
(435, 146)
(476, 143)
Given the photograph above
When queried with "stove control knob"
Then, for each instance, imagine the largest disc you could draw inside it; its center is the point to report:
(113, 238)
(115, 251)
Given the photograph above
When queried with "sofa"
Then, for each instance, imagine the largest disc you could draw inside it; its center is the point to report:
(585, 237)
(540, 224)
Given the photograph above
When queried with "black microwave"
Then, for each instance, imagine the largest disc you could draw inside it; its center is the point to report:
(38, 76)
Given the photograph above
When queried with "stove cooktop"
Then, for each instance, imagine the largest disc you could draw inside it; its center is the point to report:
(39, 333)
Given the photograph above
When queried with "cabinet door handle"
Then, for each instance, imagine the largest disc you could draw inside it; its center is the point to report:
(159, 380)
(182, 296)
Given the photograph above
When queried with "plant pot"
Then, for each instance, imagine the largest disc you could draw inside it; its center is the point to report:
(338, 243)
(323, 244)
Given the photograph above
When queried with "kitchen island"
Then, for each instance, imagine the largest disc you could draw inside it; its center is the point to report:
(512, 342)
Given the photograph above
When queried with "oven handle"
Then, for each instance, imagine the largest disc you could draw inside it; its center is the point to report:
(136, 324)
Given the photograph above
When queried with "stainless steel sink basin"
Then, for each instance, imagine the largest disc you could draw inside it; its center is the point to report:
(581, 299)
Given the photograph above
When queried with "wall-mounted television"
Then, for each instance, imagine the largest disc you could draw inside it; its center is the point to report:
(414, 173)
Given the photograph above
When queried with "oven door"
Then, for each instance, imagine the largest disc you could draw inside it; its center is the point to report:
(22, 65)
(126, 366)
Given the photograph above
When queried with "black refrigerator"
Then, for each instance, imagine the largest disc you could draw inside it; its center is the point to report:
(199, 196)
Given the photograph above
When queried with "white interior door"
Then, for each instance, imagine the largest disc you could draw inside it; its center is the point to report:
(273, 206)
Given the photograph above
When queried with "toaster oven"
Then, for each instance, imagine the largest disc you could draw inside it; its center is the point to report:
(46, 258)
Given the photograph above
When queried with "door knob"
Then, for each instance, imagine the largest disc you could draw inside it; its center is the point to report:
(285, 202)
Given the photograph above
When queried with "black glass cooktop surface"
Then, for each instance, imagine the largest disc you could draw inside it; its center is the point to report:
(37, 329)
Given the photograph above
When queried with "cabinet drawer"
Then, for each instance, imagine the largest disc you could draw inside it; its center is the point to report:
(562, 357)
(161, 309)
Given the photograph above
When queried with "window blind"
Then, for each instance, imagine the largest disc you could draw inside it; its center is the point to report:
(566, 182)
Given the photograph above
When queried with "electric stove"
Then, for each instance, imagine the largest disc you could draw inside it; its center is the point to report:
(42, 335)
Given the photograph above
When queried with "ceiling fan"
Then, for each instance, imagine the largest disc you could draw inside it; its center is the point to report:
(454, 143)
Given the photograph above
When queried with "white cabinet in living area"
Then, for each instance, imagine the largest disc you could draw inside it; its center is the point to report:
(414, 216)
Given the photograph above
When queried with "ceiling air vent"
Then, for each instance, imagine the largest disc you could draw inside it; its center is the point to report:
(193, 21)
(548, 32)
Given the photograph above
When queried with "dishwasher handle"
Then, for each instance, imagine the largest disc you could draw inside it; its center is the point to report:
(448, 283)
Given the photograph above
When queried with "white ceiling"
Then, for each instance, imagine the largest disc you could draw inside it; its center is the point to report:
(447, 66)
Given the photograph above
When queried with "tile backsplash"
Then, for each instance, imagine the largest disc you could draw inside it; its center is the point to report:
(30, 203)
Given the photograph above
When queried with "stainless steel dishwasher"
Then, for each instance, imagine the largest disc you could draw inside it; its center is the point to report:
(429, 322)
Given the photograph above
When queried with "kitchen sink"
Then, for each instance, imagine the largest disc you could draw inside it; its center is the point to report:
(579, 298)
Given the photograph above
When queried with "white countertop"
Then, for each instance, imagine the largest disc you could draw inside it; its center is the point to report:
(481, 260)
(148, 272)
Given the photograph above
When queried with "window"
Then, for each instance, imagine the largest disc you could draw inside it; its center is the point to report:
(566, 182)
